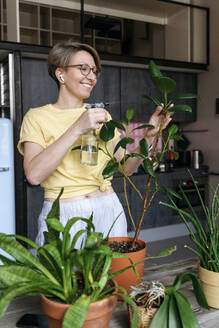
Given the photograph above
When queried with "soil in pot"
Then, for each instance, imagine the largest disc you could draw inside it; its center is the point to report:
(128, 278)
(125, 247)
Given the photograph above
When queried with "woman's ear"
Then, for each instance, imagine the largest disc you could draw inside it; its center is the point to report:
(59, 76)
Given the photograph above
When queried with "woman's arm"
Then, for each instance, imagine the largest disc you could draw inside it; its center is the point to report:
(133, 163)
(39, 163)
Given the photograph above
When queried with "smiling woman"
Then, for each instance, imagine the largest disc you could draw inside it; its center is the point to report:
(49, 133)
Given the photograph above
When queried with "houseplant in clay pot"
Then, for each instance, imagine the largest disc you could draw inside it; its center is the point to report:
(165, 85)
(205, 237)
(167, 307)
(75, 285)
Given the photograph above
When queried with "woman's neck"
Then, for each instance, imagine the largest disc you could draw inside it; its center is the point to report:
(68, 102)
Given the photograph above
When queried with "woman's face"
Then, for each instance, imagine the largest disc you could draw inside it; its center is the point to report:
(76, 83)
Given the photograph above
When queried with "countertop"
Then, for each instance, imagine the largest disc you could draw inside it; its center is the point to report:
(165, 273)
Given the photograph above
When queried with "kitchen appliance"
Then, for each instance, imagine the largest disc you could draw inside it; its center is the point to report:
(7, 106)
(191, 193)
(7, 189)
(197, 158)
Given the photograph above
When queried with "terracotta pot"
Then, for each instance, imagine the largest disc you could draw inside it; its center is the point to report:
(210, 284)
(98, 316)
(128, 278)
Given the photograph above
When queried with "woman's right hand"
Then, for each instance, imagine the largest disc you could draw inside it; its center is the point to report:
(91, 119)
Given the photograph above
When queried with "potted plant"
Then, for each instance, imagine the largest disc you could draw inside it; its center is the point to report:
(205, 237)
(74, 285)
(167, 306)
(165, 85)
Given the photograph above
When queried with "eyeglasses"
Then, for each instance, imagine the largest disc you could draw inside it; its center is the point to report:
(86, 69)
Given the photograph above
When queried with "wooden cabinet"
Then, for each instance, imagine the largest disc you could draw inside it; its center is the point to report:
(136, 81)
(46, 25)
(107, 90)
(140, 30)
(156, 215)
(185, 83)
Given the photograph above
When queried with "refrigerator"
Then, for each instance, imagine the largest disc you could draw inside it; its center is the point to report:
(7, 178)
(7, 185)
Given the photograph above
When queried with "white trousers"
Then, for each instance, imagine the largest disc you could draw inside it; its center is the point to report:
(105, 210)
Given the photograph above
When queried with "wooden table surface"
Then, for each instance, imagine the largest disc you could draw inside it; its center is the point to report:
(165, 273)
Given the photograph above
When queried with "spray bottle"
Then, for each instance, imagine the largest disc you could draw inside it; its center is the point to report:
(89, 144)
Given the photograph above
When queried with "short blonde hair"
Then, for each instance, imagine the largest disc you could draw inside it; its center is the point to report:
(61, 54)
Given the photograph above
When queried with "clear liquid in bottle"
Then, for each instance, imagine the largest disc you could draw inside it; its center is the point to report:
(89, 149)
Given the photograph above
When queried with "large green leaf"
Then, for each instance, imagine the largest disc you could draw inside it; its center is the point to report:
(49, 263)
(107, 131)
(187, 317)
(164, 84)
(180, 107)
(148, 167)
(173, 315)
(154, 70)
(155, 100)
(55, 210)
(32, 288)
(168, 251)
(52, 236)
(144, 126)
(14, 274)
(123, 143)
(55, 224)
(200, 296)
(21, 254)
(144, 146)
(77, 312)
(118, 124)
(173, 129)
(161, 317)
(184, 96)
(54, 253)
(110, 169)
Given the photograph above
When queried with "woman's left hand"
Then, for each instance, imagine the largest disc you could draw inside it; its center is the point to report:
(155, 120)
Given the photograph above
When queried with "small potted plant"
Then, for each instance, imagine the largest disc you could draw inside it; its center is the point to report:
(167, 307)
(75, 286)
(165, 85)
(205, 237)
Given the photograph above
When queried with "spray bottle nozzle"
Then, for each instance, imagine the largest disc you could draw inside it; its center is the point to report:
(97, 105)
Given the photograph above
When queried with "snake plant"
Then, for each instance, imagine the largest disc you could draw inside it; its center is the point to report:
(52, 272)
(174, 309)
(203, 233)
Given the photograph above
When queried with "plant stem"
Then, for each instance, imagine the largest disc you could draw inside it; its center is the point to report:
(127, 202)
(146, 202)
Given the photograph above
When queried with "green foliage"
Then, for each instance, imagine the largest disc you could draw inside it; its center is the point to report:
(53, 271)
(203, 234)
(175, 310)
(165, 86)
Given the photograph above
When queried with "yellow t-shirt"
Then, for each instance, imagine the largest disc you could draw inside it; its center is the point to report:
(44, 125)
